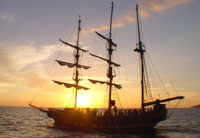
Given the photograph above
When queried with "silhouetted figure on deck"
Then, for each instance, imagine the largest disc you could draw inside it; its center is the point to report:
(159, 107)
(115, 110)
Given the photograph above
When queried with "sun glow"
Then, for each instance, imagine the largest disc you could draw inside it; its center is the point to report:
(83, 99)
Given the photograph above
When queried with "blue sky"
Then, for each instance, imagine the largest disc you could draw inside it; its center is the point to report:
(29, 43)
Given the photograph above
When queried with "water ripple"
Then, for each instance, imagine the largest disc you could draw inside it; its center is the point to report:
(28, 122)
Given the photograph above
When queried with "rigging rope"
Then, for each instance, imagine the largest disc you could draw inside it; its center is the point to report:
(158, 58)
(118, 98)
(174, 108)
(59, 99)
(158, 76)
(51, 68)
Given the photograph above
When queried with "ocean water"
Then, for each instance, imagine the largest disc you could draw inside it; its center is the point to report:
(18, 122)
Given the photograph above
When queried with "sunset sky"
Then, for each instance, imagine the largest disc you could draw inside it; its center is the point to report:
(29, 44)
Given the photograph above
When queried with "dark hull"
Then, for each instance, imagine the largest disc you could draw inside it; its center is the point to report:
(132, 121)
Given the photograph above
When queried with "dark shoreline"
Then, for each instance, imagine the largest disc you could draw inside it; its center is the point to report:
(196, 106)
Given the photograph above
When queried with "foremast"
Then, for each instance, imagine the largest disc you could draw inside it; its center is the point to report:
(140, 48)
(110, 70)
(75, 65)
(77, 55)
(110, 73)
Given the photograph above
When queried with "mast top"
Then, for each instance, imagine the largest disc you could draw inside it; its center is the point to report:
(110, 33)
(79, 21)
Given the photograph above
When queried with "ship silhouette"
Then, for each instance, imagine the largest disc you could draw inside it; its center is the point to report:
(112, 118)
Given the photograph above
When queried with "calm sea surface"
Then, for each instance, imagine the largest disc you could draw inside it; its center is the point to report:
(29, 122)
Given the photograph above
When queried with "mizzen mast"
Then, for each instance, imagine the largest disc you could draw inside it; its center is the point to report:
(76, 65)
(141, 51)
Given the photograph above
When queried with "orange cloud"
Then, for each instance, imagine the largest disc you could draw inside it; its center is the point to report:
(144, 14)
(146, 9)
(123, 20)
(158, 5)
(105, 27)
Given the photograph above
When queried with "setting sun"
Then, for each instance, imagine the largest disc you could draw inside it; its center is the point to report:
(83, 99)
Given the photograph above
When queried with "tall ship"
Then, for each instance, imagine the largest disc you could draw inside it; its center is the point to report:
(111, 118)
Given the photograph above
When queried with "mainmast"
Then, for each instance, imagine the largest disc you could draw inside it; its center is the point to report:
(140, 50)
(76, 65)
(110, 74)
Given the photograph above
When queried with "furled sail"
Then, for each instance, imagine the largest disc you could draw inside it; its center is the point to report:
(76, 47)
(68, 85)
(113, 63)
(71, 65)
(104, 82)
(106, 39)
(163, 100)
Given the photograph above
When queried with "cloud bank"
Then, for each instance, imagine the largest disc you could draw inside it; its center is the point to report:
(20, 64)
